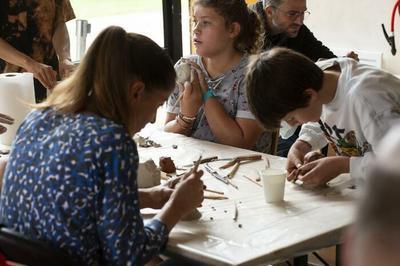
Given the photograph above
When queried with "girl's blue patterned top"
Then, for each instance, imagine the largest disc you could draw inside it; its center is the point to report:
(71, 182)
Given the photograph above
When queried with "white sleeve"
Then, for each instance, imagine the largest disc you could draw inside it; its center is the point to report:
(312, 134)
(374, 132)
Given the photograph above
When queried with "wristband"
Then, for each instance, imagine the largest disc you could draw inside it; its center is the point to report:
(209, 93)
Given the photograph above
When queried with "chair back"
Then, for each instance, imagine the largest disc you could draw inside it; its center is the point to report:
(20, 249)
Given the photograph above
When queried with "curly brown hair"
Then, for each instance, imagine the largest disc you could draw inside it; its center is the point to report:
(250, 38)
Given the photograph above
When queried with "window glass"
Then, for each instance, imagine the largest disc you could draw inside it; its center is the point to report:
(140, 16)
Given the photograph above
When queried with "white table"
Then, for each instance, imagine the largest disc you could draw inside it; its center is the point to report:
(307, 220)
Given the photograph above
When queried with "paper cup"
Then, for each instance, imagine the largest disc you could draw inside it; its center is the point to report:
(274, 184)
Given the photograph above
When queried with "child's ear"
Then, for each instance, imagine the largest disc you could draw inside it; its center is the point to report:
(312, 94)
(136, 90)
(235, 29)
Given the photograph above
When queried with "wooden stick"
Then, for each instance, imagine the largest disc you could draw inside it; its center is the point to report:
(205, 160)
(228, 164)
(252, 180)
(214, 191)
(196, 165)
(255, 157)
(234, 170)
(215, 197)
(236, 212)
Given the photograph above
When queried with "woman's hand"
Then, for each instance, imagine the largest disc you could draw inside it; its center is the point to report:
(44, 73)
(66, 67)
(188, 193)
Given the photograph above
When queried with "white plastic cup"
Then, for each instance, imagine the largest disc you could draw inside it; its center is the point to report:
(274, 184)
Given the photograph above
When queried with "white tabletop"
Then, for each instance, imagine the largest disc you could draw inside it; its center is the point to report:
(308, 219)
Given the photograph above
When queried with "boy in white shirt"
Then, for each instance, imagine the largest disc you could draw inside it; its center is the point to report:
(349, 105)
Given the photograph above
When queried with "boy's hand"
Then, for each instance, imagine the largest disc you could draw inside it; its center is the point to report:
(295, 158)
(321, 171)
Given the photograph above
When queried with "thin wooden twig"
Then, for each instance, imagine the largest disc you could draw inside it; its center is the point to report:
(234, 170)
(252, 180)
(214, 191)
(215, 197)
(236, 212)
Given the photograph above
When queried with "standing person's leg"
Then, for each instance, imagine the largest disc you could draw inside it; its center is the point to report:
(40, 91)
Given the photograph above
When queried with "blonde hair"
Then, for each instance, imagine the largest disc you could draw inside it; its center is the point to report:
(100, 83)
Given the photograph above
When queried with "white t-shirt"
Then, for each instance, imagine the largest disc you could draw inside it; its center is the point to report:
(365, 107)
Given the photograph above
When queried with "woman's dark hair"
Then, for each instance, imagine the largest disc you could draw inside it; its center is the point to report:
(250, 38)
(276, 81)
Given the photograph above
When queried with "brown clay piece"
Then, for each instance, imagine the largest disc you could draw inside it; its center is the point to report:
(167, 165)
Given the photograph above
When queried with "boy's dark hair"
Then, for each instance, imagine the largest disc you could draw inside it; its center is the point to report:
(250, 38)
(276, 81)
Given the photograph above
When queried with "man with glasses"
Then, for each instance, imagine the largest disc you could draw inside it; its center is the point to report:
(283, 23)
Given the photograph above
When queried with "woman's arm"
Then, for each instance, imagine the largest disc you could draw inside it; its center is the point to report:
(62, 47)
(44, 73)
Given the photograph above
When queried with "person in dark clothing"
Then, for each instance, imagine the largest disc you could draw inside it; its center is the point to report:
(34, 38)
(283, 25)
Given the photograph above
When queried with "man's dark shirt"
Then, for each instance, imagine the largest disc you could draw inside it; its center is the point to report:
(304, 43)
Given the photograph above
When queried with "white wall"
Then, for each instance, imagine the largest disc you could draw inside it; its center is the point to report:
(356, 24)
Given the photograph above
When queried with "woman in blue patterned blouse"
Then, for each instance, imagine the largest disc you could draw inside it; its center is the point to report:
(71, 176)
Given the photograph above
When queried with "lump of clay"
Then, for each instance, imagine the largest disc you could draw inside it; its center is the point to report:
(145, 142)
(312, 156)
(167, 165)
(148, 174)
(183, 73)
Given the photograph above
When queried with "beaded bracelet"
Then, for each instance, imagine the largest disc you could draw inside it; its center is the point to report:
(182, 123)
(186, 119)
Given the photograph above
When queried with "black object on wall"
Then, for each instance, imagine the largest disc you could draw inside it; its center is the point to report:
(172, 15)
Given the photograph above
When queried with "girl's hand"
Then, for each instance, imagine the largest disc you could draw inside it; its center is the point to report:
(188, 193)
(191, 100)
(197, 78)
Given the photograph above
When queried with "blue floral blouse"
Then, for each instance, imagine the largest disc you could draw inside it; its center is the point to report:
(71, 182)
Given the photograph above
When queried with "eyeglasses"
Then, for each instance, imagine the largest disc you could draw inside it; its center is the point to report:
(293, 15)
